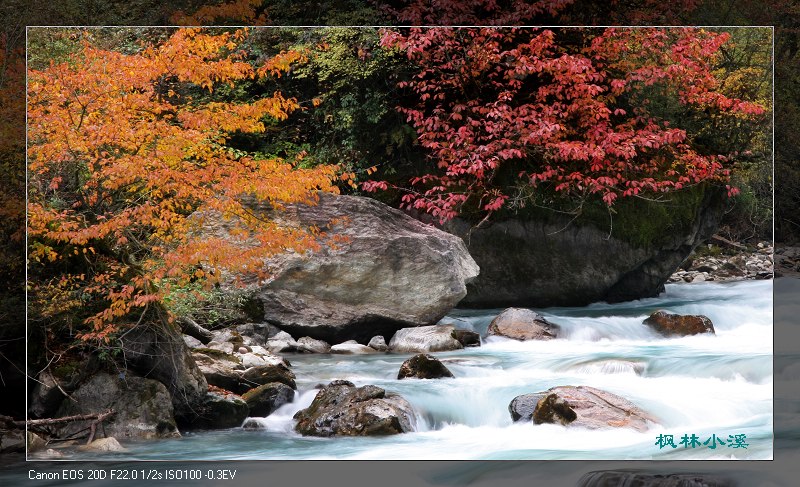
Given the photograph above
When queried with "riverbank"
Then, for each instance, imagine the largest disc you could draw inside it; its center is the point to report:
(724, 261)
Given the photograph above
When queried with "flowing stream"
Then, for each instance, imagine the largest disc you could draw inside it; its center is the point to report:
(703, 385)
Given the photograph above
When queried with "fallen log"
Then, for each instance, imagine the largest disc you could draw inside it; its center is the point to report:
(95, 418)
(193, 329)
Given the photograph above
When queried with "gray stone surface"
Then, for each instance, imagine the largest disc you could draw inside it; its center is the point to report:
(392, 271)
(424, 339)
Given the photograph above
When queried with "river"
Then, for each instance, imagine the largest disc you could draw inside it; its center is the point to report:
(699, 385)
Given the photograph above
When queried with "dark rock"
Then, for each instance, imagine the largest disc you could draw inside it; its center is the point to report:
(158, 352)
(522, 407)
(553, 409)
(46, 396)
(538, 263)
(669, 324)
(12, 441)
(423, 366)
(264, 400)
(423, 339)
(341, 409)
(378, 343)
(394, 271)
(143, 407)
(522, 324)
(258, 376)
(590, 408)
(612, 478)
(253, 424)
(220, 411)
(467, 338)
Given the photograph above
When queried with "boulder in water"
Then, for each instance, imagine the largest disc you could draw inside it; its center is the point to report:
(264, 400)
(378, 343)
(424, 339)
(341, 409)
(522, 324)
(423, 366)
(467, 338)
(590, 408)
(669, 324)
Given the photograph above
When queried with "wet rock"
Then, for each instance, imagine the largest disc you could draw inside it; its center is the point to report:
(143, 407)
(669, 324)
(522, 324)
(351, 347)
(47, 396)
(611, 478)
(310, 345)
(522, 407)
(378, 343)
(264, 400)
(423, 366)
(341, 409)
(424, 339)
(104, 445)
(253, 424)
(589, 408)
(467, 338)
(394, 271)
(220, 410)
(553, 409)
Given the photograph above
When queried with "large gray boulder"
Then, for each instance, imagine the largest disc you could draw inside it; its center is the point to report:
(549, 260)
(342, 409)
(142, 407)
(387, 271)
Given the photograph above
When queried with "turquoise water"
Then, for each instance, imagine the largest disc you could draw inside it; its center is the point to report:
(701, 385)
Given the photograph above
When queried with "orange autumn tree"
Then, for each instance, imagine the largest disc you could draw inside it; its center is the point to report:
(125, 151)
